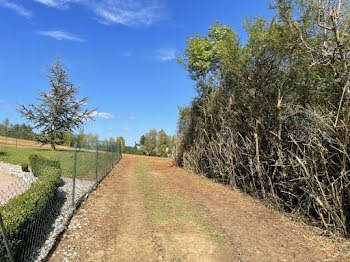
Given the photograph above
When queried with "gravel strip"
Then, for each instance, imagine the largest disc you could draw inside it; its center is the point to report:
(16, 170)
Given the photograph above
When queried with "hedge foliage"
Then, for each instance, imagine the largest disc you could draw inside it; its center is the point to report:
(38, 162)
(25, 167)
(272, 113)
(23, 215)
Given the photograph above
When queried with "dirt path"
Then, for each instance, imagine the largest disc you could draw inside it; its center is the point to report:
(149, 210)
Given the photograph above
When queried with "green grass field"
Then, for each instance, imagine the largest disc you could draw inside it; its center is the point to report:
(86, 161)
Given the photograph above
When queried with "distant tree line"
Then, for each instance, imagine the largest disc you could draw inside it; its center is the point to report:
(153, 143)
(21, 131)
(87, 140)
(272, 115)
(70, 139)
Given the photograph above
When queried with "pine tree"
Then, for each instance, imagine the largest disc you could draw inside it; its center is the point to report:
(59, 111)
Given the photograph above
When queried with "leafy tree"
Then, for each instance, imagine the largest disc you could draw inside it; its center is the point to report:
(80, 139)
(4, 127)
(21, 131)
(68, 138)
(149, 142)
(121, 140)
(60, 111)
(111, 140)
(91, 140)
(155, 143)
(163, 143)
(135, 150)
(142, 140)
(272, 115)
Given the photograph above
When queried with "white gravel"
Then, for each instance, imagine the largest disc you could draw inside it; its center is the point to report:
(16, 170)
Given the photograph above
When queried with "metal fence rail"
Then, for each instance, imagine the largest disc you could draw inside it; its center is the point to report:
(34, 211)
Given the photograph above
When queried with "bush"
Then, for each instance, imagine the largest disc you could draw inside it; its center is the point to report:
(37, 163)
(269, 117)
(25, 167)
(24, 214)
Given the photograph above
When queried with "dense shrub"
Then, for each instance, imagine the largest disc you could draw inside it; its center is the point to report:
(37, 162)
(23, 215)
(25, 167)
(272, 116)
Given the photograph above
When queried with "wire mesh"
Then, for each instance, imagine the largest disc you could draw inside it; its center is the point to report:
(35, 210)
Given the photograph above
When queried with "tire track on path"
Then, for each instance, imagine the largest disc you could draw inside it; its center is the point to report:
(149, 210)
(111, 225)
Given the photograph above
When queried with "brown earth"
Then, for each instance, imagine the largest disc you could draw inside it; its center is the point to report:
(24, 143)
(10, 186)
(149, 210)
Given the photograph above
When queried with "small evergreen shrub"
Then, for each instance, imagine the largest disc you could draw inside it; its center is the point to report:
(37, 163)
(25, 167)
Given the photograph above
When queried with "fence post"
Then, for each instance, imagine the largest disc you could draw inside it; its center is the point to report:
(117, 151)
(106, 158)
(96, 170)
(4, 236)
(74, 173)
(113, 154)
(120, 150)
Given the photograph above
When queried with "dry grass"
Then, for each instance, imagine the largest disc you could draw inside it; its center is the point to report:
(23, 143)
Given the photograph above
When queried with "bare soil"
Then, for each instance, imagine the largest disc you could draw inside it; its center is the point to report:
(10, 186)
(149, 210)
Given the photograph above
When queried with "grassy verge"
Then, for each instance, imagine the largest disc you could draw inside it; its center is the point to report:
(166, 207)
(86, 161)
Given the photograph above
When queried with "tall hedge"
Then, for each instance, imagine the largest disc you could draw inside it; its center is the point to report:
(24, 214)
(272, 114)
(38, 162)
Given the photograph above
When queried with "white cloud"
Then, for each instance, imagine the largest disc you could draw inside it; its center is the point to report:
(126, 129)
(19, 9)
(103, 115)
(114, 15)
(165, 54)
(51, 3)
(61, 35)
(125, 12)
(60, 4)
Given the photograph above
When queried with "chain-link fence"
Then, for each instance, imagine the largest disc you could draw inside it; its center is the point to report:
(36, 206)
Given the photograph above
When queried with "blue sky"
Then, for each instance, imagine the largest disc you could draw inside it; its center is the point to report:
(121, 52)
